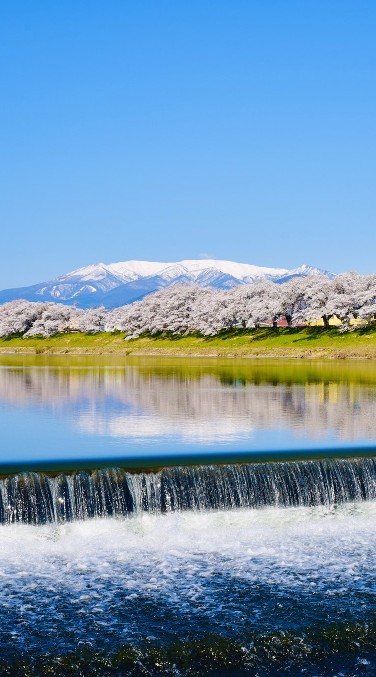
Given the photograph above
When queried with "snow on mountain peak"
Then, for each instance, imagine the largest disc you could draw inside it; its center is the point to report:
(116, 284)
(96, 271)
(194, 267)
(238, 270)
(136, 269)
(309, 270)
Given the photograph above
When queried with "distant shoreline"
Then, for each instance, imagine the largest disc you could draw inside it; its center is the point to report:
(310, 343)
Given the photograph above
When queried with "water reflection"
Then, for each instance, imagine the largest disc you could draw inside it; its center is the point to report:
(195, 401)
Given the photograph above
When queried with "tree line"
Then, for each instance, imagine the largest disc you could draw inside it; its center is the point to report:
(187, 309)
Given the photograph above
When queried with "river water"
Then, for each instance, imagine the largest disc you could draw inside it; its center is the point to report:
(60, 408)
(243, 568)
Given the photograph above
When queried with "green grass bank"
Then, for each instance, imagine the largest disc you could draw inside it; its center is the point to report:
(299, 342)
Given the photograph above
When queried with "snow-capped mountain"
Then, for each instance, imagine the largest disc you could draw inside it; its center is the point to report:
(116, 284)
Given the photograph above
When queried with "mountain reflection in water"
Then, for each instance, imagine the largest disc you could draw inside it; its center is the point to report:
(188, 402)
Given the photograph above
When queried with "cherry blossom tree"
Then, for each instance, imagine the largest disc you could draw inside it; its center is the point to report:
(185, 309)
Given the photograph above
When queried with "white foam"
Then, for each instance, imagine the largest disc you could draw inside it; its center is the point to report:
(147, 553)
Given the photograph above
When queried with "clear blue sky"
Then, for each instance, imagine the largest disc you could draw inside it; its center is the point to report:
(164, 129)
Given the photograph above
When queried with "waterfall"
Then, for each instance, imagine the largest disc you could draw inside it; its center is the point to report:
(37, 498)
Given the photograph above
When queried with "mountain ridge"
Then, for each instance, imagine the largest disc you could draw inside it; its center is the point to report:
(123, 282)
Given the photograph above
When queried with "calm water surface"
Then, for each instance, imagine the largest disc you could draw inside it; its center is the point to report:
(53, 408)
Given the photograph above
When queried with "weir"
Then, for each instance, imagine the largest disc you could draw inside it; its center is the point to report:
(37, 498)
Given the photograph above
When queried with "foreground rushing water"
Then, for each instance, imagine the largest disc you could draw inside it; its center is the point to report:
(244, 575)
(232, 569)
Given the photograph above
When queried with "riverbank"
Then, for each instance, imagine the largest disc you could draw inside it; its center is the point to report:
(299, 342)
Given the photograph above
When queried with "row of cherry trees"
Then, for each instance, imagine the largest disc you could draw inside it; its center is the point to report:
(184, 309)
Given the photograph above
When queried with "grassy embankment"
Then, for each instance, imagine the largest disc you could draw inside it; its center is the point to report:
(301, 342)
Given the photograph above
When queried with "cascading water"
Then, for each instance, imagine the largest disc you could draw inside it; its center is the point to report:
(237, 567)
(35, 498)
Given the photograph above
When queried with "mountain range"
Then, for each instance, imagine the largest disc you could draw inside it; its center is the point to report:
(117, 284)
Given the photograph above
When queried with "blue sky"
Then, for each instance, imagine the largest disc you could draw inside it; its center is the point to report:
(163, 130)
